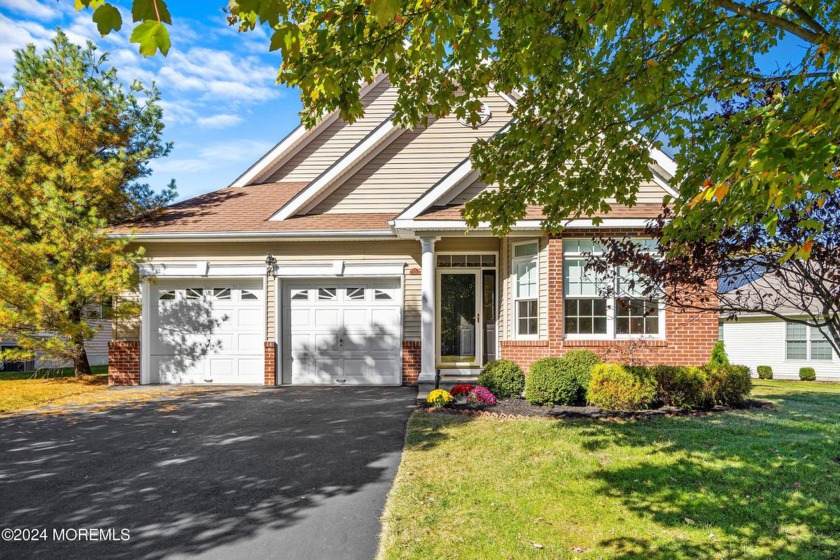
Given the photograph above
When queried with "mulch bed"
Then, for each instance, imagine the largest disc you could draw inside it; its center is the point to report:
(520, 408)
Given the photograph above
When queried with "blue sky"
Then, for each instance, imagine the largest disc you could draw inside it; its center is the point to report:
(222, 107)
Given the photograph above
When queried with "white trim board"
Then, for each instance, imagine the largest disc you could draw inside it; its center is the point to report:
(340, 269)
(330, 179)
(293, 143)
(202, 269)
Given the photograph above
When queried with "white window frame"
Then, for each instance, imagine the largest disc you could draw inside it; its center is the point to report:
(810, 333)
(612, 304)
(515, 288)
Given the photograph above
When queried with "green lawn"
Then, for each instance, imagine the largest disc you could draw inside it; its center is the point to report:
(19, 390)
(743, 484)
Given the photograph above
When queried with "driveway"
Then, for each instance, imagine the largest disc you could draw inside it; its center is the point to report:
(236, 473)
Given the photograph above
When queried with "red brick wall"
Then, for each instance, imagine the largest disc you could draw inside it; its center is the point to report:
(524, 352)
(410, 362)
(124, 362)
(689, 336)
(270, 363)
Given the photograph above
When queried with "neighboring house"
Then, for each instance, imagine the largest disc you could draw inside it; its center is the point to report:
(341, 257)
(761, 339)
(97, 350)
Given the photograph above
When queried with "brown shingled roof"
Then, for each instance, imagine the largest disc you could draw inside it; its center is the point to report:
(248, 209)
(646, 210)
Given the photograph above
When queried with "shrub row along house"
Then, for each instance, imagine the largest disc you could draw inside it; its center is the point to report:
(341, 257)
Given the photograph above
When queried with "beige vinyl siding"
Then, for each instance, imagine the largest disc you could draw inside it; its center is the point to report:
(270, 307)
(414, 162)
(470, 191)
(127, 328)
(338, 138)
(98, 345)
(649, 193)
(413, 301)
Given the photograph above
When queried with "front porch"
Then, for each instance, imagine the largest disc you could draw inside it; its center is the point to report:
(461, 291)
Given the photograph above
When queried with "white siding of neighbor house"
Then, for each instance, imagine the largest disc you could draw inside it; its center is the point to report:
(97, 348)
(338, 138)
(760, 341)
(414, 162)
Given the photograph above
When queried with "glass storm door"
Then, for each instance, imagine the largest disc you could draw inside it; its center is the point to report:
(460, 319)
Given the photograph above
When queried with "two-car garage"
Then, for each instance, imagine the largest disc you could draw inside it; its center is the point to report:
(331, 331)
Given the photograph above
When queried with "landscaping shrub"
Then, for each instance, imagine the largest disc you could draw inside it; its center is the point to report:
(461, 390)
(480, 397)
(728, 385)
(561, 380)
(615, 387)
(503, 378)
(550, 382)
(719, 357)
(807, 374)
(764, 372)
(679, 386)
(439, 397)
(581, 362)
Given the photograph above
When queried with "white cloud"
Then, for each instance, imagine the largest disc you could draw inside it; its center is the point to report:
(221, 120)
(32, 8)
(215, 156)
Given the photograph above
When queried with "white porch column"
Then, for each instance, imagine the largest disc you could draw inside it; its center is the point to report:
(427, 310)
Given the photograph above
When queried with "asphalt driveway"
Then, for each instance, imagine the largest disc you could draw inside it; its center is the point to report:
(242, 473)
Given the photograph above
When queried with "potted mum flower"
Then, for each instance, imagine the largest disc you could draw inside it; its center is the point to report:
(439, 397)
(480, 397)
(460, 391)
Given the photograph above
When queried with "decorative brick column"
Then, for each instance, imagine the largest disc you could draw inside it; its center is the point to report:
(410, 362)
(124, 362)
(270, 363)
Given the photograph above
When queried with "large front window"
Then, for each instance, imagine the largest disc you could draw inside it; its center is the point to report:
(592, 310)
(525, 295)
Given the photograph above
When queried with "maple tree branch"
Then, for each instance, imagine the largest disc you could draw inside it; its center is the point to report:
(771, 19)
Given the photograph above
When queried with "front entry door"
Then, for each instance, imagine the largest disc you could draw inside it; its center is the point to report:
(460, 336)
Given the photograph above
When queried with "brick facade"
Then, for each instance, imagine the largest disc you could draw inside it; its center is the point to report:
(270, 363)
(410, 362)
(524, 352)
(124, 362)
(689, 336)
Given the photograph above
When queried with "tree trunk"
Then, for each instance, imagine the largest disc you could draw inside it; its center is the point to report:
(81, 365)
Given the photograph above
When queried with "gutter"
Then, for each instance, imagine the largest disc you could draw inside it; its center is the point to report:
(256, 236)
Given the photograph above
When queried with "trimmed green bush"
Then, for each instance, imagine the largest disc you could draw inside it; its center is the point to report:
(807, 374)
(728, 385)
(680, 386)
(764, 372)
(719, 357)
(551, 381)
(504, 379)
(615, 387)
(581, 362)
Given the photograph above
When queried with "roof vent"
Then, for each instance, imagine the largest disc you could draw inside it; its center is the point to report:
(483, 116)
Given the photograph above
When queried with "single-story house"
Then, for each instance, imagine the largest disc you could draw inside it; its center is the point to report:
(761, 339)
(341, 257)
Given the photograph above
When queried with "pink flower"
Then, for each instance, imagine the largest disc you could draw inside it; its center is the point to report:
(480, 397)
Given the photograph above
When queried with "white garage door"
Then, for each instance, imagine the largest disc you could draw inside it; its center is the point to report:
(207, 332)
(342, 332)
